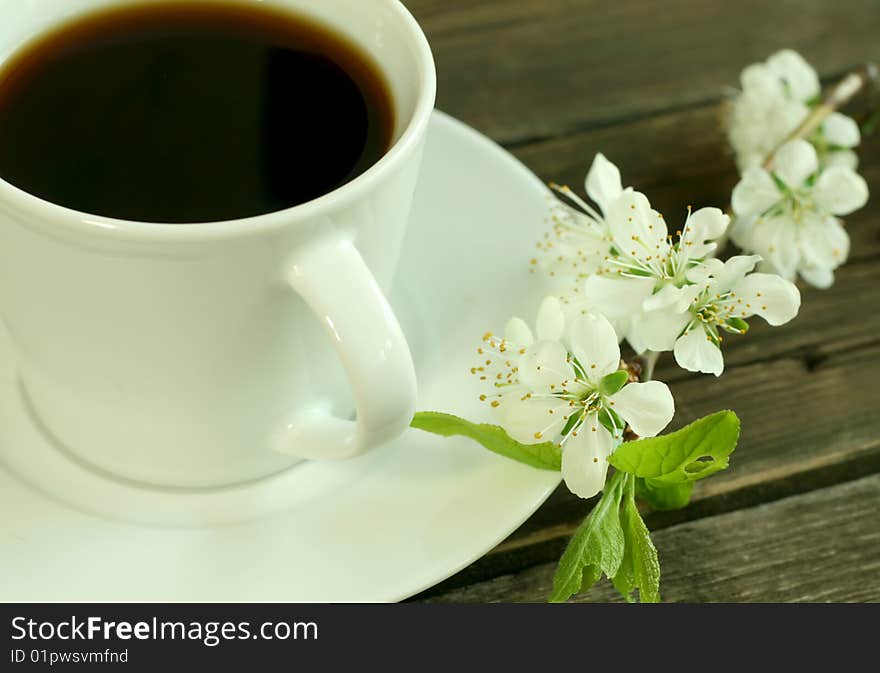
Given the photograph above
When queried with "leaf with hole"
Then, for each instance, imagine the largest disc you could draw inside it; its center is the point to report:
(694, 452)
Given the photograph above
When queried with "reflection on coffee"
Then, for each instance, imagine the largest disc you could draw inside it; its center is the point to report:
(190, 112)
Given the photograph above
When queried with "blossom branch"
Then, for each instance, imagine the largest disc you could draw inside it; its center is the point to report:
(839, 95)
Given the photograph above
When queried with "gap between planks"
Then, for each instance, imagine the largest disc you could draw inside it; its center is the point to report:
(820, 546)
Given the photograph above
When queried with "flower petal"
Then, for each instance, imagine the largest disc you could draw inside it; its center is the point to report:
(840, 190)
(704, 270)
(667, 296)
(819, 277)
(585, 458)
(801, 78)
(758, 121)
(741, 231)
(594, 344)
(824, 242)
(603, 183)
(696, 352)
(647, 407)
(845, 158)
(518, 333)
(769, 296)
(758, 80)
(544, 364)
(636, 228)
(755, 193)
(700, 231)
(550, 324)
(532, 420)
(657, 330)
(618, 299)
(841, 130)
(775, 239)
(795, 162)
(734, 270)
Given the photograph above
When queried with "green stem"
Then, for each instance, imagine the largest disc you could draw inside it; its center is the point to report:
(618, 481)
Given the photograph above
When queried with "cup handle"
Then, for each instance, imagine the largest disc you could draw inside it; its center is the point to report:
(332, 278)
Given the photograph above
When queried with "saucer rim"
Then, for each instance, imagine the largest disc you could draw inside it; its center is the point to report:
(427, 576)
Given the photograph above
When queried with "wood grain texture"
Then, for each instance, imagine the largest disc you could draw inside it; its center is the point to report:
(556, 81)
(526, 69)
(678, 159)
(817, 547)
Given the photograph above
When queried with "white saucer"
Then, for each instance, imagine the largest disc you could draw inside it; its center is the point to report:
(379, 528)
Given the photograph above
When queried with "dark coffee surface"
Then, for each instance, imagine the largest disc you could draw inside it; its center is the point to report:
(189, 113)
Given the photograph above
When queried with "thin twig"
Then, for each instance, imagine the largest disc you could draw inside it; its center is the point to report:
(839, 95)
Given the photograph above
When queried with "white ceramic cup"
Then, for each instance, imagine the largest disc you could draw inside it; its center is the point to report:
(209, 354)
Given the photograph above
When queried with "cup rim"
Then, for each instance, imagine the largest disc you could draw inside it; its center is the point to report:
(93, 224)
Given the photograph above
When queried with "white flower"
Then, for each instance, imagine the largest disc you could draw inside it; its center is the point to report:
(721, 301)
(567, 386)
(580, 239)
(776, 97)
(788, 216)
(644, 261)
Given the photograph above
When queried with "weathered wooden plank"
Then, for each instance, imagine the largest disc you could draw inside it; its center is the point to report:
(806, 424)
(519, 69)
(820, 546)
(679, 159)
(558, 80)
(834, 320)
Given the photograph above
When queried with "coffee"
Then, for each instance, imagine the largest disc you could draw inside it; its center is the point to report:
(190, 112)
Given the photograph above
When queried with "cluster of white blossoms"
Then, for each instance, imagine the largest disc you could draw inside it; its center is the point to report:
(789, 214)
(565, 384)
(788, 208)
(623, 275)
(776, 96)
(662, 292)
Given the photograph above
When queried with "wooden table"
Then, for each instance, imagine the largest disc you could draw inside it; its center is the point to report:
(797, 516)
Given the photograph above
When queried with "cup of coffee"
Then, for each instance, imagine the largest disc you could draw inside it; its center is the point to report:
(202, 205)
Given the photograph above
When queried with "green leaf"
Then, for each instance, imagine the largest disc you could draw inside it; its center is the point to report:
(664, 497)
(546, 456)
(597, 546)
(694, 452)
(613, 382)
(640, 567)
